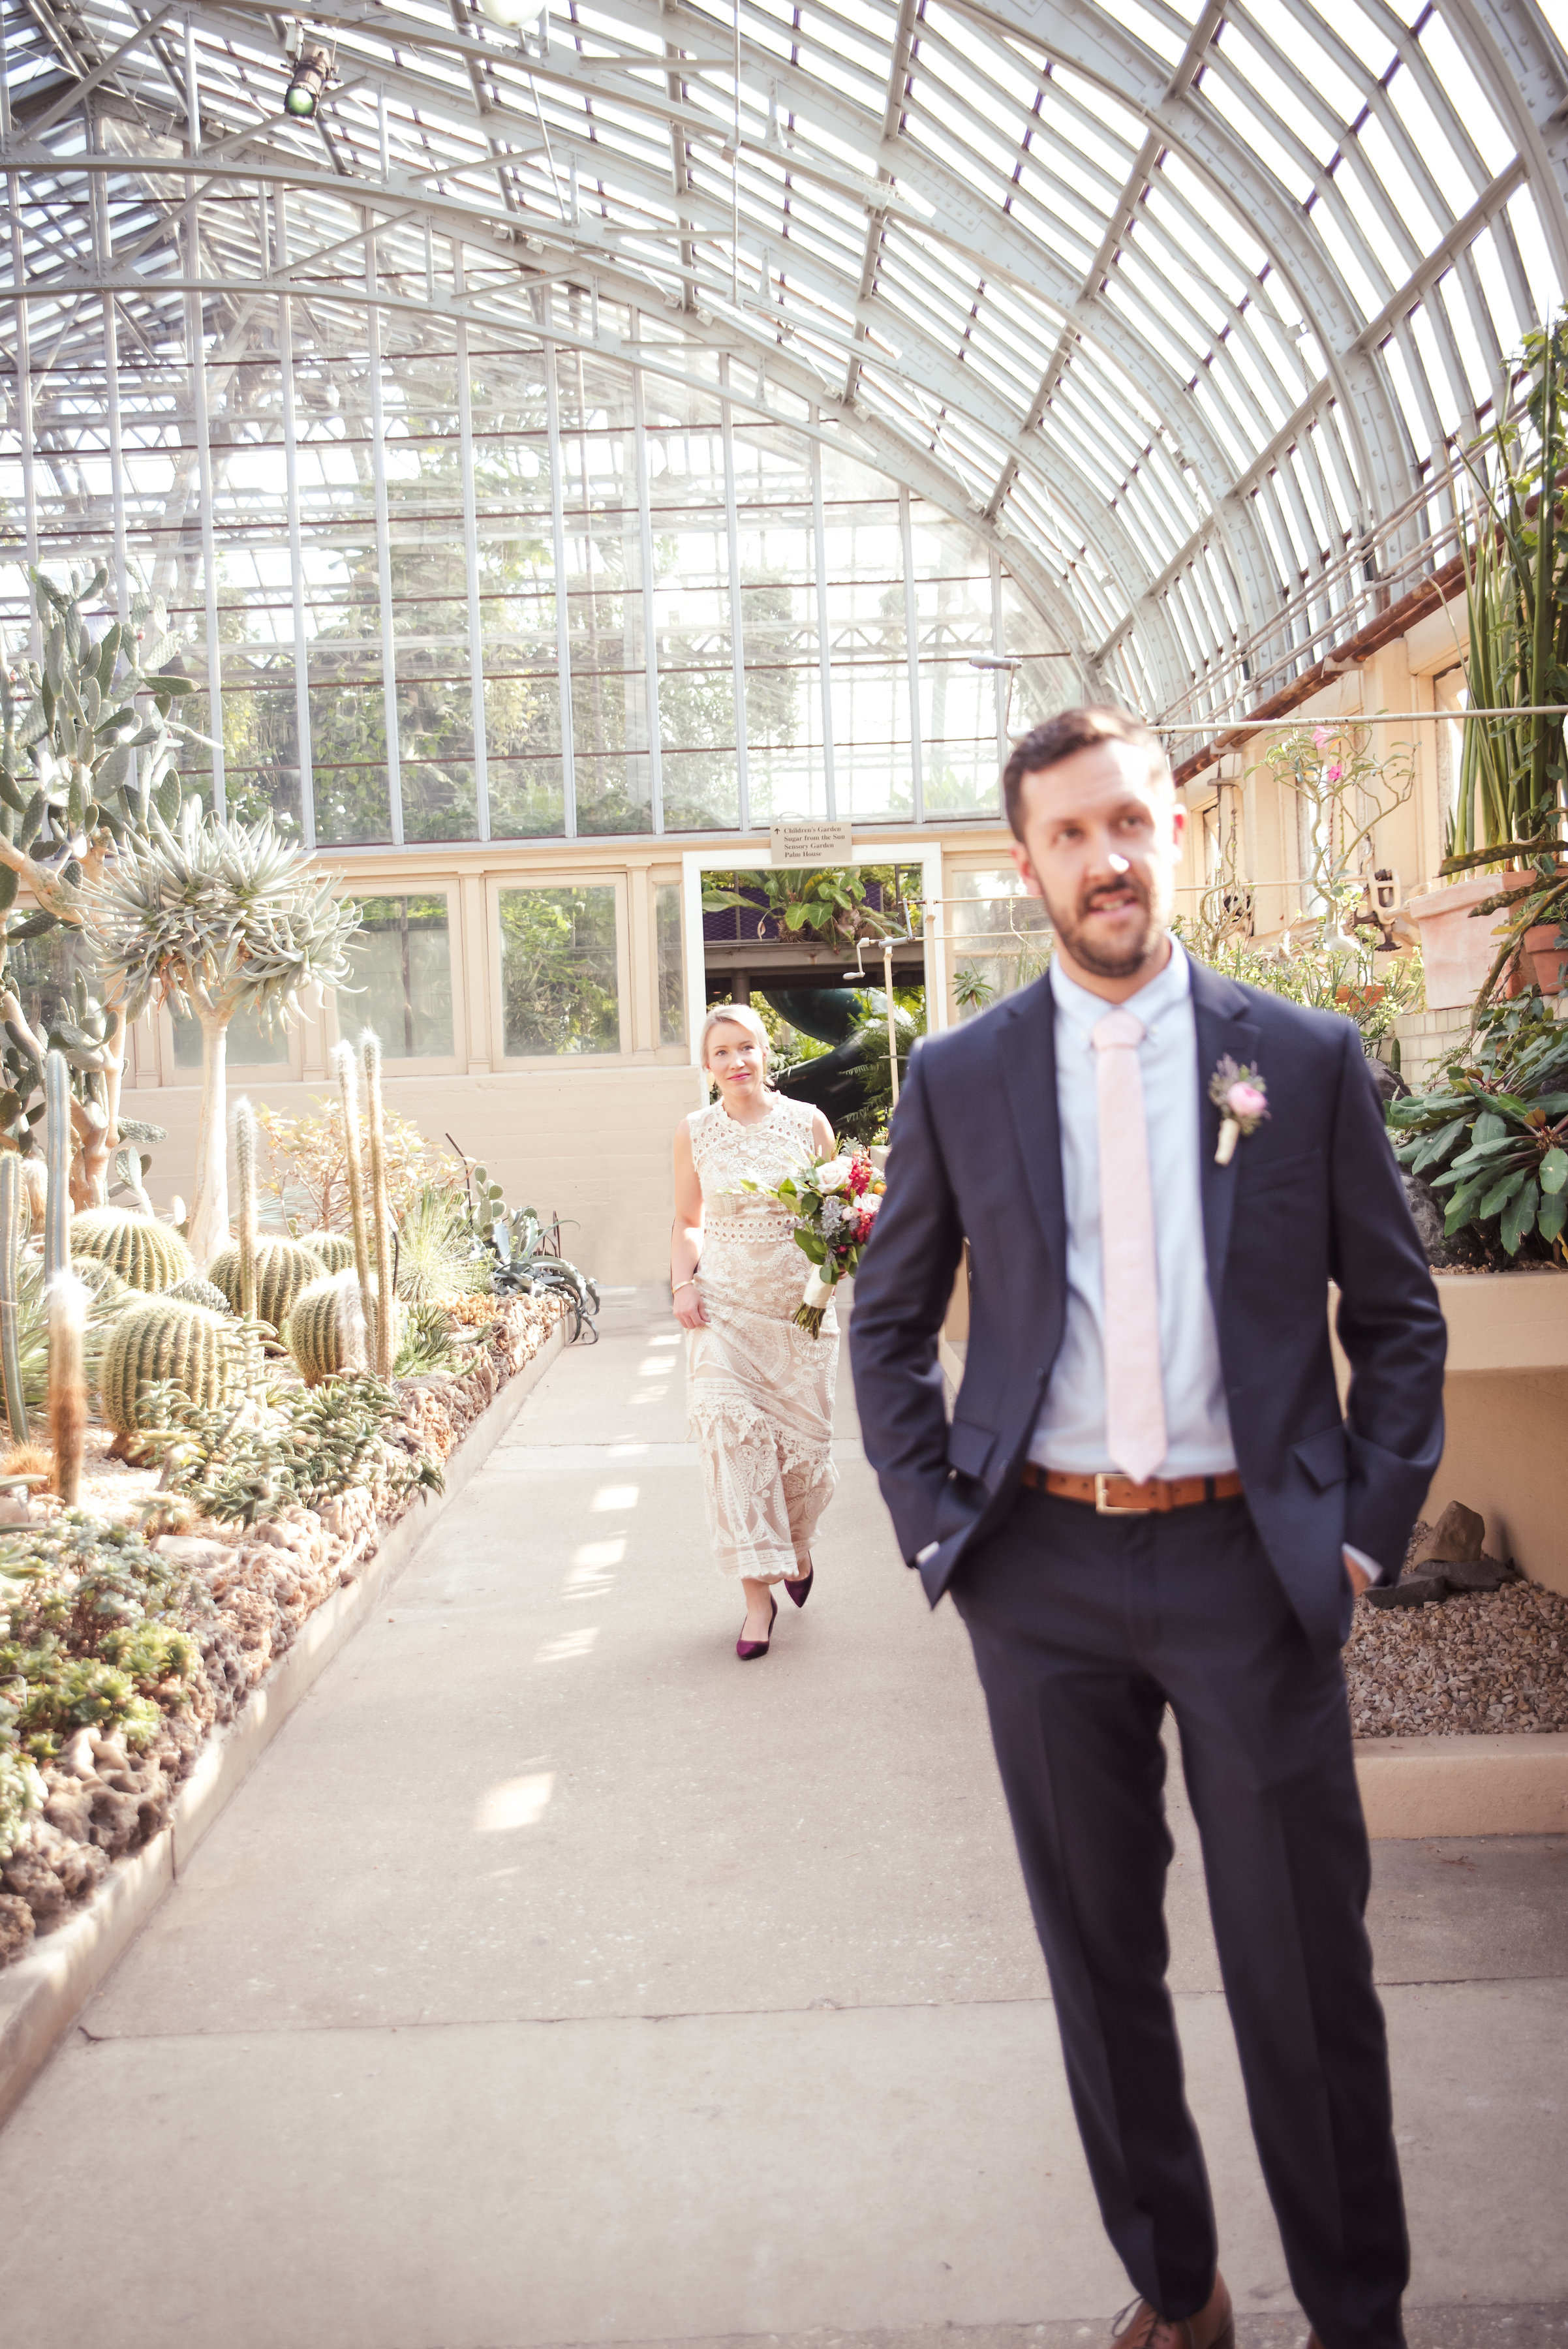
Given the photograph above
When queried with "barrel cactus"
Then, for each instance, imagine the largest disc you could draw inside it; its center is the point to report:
(147, 1255)
(197, 1292)
(327, 1330)
(201, 1354)
(283, 1267)
(333, 1250)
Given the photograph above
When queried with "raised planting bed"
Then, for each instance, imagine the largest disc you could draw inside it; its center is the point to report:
(259, 1610)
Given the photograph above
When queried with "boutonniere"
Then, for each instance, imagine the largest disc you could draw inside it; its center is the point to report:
(1241, 1098)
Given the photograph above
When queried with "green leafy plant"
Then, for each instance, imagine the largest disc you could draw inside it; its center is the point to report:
(830, 902)
(92, 1635)
(1342, 792)
(1324, 976)
(239, 1463)
(513, 1240)
(1493, 1137)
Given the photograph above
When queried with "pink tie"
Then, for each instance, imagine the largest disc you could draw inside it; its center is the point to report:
(1134, 1389)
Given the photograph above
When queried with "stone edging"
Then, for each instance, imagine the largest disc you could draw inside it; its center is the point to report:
(1470, 1785)
(42, 1994)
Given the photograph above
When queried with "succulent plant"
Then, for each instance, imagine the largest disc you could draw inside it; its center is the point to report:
(147, 1256)
(334, 1250)
(383, 1348)
(197, 1292)
(327, 1331)
(203, 1355)
(280, 1269)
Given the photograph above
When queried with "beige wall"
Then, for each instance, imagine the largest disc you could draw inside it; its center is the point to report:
(586, 1137)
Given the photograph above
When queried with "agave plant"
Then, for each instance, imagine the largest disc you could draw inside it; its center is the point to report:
(215, 917)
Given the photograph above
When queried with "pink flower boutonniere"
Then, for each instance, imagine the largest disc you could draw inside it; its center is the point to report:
(1241, 1098)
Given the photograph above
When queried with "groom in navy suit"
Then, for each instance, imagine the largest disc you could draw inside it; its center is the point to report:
(1150, 1497)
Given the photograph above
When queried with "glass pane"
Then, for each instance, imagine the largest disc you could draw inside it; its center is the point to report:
(401, 961)
(672, 975)
(251, 1045)
(526, 800)
(439, 802)
(558, 979)
(1000, 936)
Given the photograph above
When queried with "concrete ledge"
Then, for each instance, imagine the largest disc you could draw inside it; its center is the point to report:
(42, 1995)
(1414, 1787)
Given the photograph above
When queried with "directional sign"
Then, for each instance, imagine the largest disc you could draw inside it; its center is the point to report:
(810, 843)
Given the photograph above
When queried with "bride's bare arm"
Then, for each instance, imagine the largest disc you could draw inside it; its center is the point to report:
(686, 1239)
(822, 1140)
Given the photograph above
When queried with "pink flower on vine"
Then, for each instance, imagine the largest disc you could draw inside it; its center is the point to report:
(1320, 735)
(1333, 774)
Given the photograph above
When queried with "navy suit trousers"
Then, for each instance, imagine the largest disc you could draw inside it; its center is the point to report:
(1085, 1627)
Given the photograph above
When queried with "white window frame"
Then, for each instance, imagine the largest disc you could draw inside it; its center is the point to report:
(753, 855)
(569, 877)
(434, 1064)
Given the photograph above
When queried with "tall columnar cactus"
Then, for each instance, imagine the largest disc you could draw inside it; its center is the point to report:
(201, 1354)
(10, 1251)
(58, 1160)
(245, 1168)
(382, 1348)
(67, 1382)
(280, 1268)
(66, 1297)
(145, 1254)
(332, 1250)
(348, 1086)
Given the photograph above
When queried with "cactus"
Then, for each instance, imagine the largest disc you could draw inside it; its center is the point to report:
(204, 1355)
(197, 1292)
(245, 1168)
(58, 1160)
(383, 1348)
(10, 1346)
(101, 1280)
(333, 1250)
(280, 1268)
(146, 1255)
(349, 1084)
(67, 1382)
(326, 1329)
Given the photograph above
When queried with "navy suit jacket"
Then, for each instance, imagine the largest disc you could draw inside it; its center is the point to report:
(1312, 1196)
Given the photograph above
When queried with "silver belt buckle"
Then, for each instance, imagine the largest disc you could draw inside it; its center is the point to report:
(1111, 1508)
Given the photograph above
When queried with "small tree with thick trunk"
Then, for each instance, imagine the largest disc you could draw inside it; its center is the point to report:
(216, 918)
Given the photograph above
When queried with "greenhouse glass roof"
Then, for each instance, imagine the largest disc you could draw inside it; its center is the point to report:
(1185, 311)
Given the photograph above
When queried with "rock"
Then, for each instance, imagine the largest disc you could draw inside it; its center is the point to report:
(191, 1550)
(1456, 1539)
(1411, 1590)
(14, 1511)
(1427, 1215)
(1477, 1574)
(16, 1926)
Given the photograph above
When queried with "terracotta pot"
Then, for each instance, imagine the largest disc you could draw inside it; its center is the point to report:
(1544, 961)
(1456, 950)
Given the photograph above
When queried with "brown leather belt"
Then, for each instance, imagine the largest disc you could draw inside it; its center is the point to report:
(1118, 1497)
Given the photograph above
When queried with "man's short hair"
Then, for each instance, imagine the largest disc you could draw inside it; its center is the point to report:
(1071, 730)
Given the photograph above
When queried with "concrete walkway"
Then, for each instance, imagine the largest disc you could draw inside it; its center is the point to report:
(555, 1980)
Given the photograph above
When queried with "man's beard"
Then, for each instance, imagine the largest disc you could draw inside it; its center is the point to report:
(1070, 929)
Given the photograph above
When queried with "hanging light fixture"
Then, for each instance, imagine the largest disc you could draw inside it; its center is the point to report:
(307, 82)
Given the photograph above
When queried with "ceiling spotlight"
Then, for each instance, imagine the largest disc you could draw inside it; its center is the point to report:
(308, 83)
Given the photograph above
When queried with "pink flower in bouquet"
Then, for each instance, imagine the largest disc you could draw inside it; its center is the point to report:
(860, 1176)
(1245, 1102)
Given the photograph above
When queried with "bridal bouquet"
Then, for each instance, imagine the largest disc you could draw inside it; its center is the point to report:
(834, 1205)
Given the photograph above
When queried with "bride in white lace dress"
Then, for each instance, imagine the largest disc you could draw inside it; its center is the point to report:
(760, 1390)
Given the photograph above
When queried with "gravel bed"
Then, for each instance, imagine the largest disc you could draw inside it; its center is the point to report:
(1494, 1659)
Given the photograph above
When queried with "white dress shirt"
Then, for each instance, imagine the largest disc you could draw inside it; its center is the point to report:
(1071, 1431)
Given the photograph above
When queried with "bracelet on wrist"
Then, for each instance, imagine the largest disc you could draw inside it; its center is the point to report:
(680, 1285)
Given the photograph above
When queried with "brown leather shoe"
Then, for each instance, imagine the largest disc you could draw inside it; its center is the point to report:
(1213, 2327)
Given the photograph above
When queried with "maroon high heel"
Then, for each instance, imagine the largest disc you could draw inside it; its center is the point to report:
(749, 1651)
(801, 1591)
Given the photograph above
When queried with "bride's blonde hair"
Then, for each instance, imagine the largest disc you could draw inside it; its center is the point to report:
(736, 1015)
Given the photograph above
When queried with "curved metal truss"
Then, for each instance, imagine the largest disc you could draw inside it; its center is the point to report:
(1182, 307)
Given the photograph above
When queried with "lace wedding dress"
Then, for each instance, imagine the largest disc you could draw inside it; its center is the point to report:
(760, 1390)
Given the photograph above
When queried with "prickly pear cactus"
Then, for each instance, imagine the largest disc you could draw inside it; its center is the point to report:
(147, 1255)
(334, 1250)
(283, 1267)
(201, 1354)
